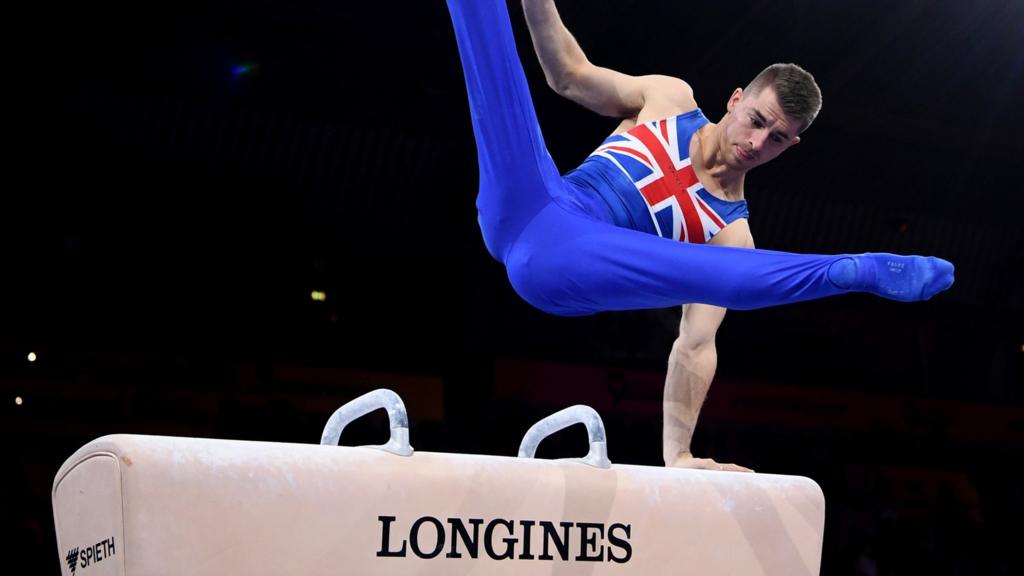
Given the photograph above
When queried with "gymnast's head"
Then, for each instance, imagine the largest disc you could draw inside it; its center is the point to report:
(767, 117)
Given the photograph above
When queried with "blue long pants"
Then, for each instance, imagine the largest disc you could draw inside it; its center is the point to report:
(563, 259)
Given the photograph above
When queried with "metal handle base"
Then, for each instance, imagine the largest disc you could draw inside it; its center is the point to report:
(363, 405)
(578, 414)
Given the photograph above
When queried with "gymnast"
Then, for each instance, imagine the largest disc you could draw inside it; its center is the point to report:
(625, 229)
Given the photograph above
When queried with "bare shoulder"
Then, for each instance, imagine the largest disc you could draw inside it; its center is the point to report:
(666, 95)
(667, 88)
(662, 97)
(737, 234)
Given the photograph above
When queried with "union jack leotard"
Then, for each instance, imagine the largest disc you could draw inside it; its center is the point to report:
(645, 177)
(576, 244)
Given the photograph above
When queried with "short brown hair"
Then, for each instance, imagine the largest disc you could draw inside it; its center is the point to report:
(795, 88)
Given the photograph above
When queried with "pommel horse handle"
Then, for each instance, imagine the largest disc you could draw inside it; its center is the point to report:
(363, 405)
(578, 414)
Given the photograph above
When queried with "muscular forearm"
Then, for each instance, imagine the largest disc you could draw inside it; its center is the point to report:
(559, 53)
(690, 372)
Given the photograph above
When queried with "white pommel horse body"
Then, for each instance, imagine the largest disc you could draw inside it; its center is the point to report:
(152, 505)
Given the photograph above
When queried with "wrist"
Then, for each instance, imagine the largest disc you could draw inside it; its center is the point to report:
(672, 457)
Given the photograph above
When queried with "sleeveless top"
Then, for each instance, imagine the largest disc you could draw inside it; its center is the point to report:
(645, 178)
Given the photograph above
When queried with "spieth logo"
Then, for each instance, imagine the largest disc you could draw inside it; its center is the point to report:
(72, 559)
(85, 557)
(579, 541)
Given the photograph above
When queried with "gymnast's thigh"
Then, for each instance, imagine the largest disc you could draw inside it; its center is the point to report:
(570, 264)
(563, 261)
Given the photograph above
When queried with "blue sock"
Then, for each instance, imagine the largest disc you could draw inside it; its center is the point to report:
(903, 278)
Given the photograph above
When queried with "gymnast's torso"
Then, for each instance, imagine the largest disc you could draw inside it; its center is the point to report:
(646, 180)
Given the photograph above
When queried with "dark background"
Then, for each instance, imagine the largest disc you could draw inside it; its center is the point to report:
(165, 218)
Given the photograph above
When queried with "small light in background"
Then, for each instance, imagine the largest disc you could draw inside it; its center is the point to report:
(1022, 347)
(318, 295)
(32, 356)
(18, 400)
(247, 69)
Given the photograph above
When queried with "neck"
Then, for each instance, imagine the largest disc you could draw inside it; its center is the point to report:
(712, 157)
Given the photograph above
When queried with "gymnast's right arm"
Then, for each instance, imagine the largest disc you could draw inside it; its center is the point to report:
(605, 91)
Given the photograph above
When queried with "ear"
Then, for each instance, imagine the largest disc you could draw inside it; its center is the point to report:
(794, 141)
(737, 95)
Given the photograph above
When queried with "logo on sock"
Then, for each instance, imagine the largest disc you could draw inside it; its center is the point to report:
(896, 267)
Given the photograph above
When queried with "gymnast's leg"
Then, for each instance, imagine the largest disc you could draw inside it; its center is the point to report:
(569, 265)
(517, 175)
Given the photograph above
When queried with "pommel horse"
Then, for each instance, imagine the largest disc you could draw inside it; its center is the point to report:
(131, 505)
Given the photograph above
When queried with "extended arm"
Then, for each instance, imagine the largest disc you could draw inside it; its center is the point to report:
(605, 91)
(691, 368)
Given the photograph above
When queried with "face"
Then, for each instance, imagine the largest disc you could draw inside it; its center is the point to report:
(756, 129)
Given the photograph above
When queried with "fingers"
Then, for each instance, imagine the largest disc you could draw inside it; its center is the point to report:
(712, 465)
(708, 464)
(734, 468)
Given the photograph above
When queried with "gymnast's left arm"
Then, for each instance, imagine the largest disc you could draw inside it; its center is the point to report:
(570, 73)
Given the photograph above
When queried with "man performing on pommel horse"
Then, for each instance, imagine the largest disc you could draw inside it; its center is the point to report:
(625, 229)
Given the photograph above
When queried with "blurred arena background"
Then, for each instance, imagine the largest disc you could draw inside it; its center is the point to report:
(225, 219)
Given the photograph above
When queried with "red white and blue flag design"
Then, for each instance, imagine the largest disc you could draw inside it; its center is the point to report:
(652, 156)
